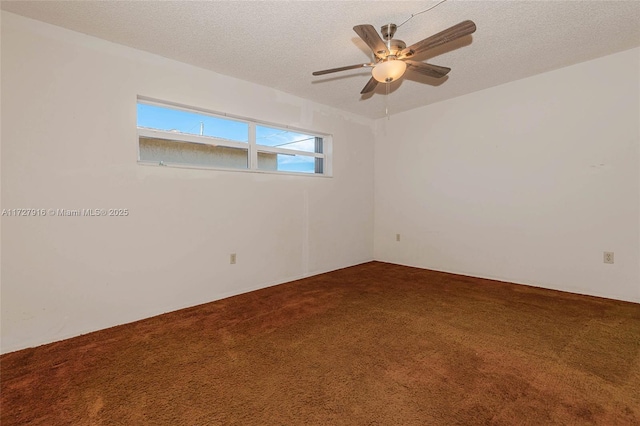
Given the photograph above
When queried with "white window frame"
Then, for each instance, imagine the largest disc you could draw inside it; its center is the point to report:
(251, 146)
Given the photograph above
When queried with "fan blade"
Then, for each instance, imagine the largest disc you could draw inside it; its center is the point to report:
(371, 85)
(349, 67)
(370, 36)
(460, 30)
(427, 69)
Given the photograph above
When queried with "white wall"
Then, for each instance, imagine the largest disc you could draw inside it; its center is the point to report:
(69, 141)
(527, 182)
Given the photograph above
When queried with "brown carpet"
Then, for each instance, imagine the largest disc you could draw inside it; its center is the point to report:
(374, 344)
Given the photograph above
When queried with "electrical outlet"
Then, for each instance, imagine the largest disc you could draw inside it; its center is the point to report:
(397, 237)
(608, 257)
(232, 258)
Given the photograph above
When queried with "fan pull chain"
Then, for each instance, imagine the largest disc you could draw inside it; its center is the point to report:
(386, 102)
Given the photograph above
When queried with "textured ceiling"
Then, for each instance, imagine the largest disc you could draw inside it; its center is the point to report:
(279, 43)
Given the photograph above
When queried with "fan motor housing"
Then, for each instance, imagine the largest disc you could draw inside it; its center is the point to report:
(396, 45)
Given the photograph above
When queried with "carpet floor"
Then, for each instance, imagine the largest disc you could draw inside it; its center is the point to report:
(373, 344)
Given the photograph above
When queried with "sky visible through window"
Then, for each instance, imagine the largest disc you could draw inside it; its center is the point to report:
(193, 123)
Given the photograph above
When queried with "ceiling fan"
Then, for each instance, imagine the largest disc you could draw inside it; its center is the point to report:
(393, 57)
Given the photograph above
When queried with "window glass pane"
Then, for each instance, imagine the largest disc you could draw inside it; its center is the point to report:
(181, 136)
(194, 154)
(269, 136)
(193, 123)
(288, 163)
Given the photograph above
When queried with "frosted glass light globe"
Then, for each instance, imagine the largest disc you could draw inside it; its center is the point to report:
(388, 71)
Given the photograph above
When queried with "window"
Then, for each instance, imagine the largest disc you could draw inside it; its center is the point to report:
(172, 135)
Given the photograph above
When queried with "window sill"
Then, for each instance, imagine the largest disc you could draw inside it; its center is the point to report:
(222, 169)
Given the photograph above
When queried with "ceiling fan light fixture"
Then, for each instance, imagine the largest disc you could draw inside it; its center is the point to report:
(392, 56)
(389, 70)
